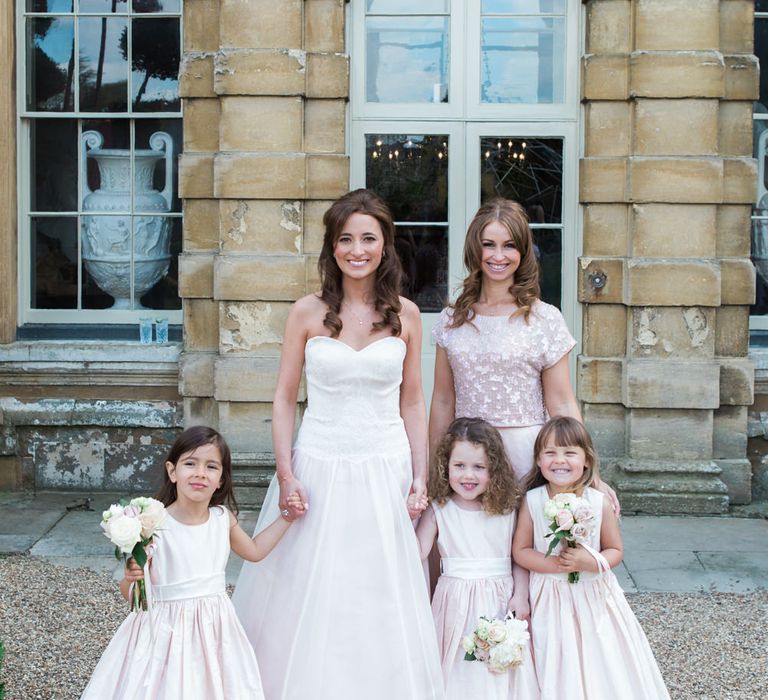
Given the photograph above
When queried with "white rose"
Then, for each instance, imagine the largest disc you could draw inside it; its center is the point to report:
(116, 509)
(124, 532)
(564, 520)
(152, 517)
(564, 499)
(141, 502)
(497, 632)
(483, 627)
(503, 656)
(517, 631)
(468, 644)
(550, 509)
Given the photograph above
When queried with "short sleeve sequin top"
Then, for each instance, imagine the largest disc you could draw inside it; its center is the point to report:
(497, 363)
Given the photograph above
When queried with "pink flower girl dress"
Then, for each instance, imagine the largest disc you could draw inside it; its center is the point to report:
(587, 641)
(476, 581)
(190, 644)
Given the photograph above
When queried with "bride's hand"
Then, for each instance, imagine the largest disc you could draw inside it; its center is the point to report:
(417, 500)
(288, 487)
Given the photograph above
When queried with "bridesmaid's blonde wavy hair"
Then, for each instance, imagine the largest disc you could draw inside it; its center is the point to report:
(525, 285)
(503, 492)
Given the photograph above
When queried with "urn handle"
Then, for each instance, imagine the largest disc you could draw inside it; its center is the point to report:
(162, 141)
(91, 140)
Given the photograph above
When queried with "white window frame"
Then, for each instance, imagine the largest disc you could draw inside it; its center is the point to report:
(25, 118)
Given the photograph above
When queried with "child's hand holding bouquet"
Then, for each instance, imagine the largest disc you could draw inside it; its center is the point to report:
(572, 521)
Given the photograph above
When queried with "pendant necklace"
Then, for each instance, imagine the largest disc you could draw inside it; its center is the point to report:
(360, 321)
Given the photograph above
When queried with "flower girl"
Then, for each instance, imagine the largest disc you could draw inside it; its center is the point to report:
(587, 643)
(472, 516)
(190, 644)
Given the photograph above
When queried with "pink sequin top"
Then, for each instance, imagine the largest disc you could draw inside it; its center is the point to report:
(497, 363)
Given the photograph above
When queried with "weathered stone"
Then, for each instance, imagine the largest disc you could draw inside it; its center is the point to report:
(739, 180)
(603, 179)
(729, 432)
(736, 26)
(737, 476)
(260, 175)
(605, 423)
(196, 373)
(672, 331)
(660, 434)
(742, 77)
(676, 127)
(327, 176)
(605, 330)
(606, 229)
(732, 331)
(677, 74)
(313, 224)
(671, 384)
(266, 277)
(201, 225)
(674, 230)
(260, 72)
(672, 282)
(249, 426)
(324, 126)
(324, 26)
(733, 230)
(312, 274)
(735, 129)
(201, 25)
(607, 131)
(676, 180)
(195, 275)
(253, 327)
(76, 463)
(201, 411)
(10, 473)
(261, 124)
(195, 176)
(201, 325)
(261, 226)
(609, 27)
(327, 75)
(196, 75)
(201, 125)
(601, 280)
(263, 24)
(599, 380)
(677, 25)
(737, 379)
(245, 378)
(737, 277)
(134, 463)
(605, 77)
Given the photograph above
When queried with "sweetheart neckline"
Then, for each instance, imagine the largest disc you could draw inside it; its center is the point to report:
(356, 350)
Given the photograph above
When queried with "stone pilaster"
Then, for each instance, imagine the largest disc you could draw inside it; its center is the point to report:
(666, 281)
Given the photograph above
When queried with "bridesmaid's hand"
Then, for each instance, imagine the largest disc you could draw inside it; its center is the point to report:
(289, 487)
(417, 500)
(519, 607)
(133, 572)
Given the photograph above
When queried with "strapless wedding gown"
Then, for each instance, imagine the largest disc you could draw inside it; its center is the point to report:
(339, 610)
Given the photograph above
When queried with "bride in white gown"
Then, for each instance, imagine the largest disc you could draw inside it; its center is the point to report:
(340, 610)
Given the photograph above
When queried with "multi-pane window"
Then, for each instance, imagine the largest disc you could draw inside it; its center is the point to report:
(759, 311)
(99, 138)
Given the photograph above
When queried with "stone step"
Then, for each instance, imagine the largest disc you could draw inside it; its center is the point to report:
(251, 478)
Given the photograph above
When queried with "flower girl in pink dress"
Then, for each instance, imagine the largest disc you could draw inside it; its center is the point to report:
(189, 645)
(587, 643)
(472, 516)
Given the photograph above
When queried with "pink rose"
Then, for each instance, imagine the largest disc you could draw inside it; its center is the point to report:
(564, 520)
(580, 531)
(583, 513)
(131, 511)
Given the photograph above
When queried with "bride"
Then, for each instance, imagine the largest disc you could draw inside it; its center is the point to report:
(340, 608)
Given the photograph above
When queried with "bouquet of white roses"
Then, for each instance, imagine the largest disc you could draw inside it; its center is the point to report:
(572, 521)
(499, 644)
(130, 526)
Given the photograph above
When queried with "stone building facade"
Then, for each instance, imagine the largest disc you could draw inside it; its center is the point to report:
(661, 284)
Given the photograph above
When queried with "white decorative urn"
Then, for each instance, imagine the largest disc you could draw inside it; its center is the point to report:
(111, 246)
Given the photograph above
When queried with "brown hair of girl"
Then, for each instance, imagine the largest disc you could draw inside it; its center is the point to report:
(564, 431)
(525, 284)
(388, 280)
(189, 441)
(503, 492)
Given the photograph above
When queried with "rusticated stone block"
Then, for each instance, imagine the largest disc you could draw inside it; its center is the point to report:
(673, 331)
(195, 176)
(201, 411)
(605, 77)
(607, 129)
(736, 26)
(605, 330)
(599, 380)
(605, 229)
(196, 75)
(609, 27)
(252, 326)
(260, 72)
(738, 281)
(324, 126)
(677, 74)
(671, 384)
(664, 434)
(601, 280)
(201, 120)
(676, 127)
(201, 325)
(201, 25)
(201, 225)
(312, 274)
(196, 373)
(733, 230)
(260, 175)
(737, 381)
(260, 226)
(195, 275)
(261, 124)
(265, 277)
(729, 436)
(739, 180)
(657, 230)
(670, 282)
(327, 176)
(742, 77)
(732, 331)
(659, 25)
(245, 378)
(313, 224)
(248, 426)
(10, 473)
(324, 26)
(678, 180)
(735, 129)
(606, 425)
(737, 476)
(263, 24)
(327, 75)
(603, 179)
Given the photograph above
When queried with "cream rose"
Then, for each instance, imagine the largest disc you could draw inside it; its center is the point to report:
(580, 531)
(551, 509)
(497, 632)
(583, 512)
(152, 517)
(564, 520)
(483, 627)
(503, 656)
(468, 644)
(124, 532)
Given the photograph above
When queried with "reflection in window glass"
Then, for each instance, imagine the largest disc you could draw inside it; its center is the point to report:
(145, 129)
(103, 64)
(50, 64)
(407, 7)
(49, 5)
(761, 5)
(157, 5)
(54, 262)
(407, 59)
(760, 144)
(156, 65)
(53, 165)
(103, 5)
(548, 247)
(527, 7)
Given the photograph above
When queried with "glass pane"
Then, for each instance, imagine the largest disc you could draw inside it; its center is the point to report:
(548, 246)
(54, 262)
(146, 129)
(53, 165)
(51, 64)
(760, 260)
(522, 61)
(410, 173)
(103, 64)
(157, 5)
(408, 7)
(49, 5)
(158, 270)
(527, 7)
(407, 59)
(529, 171)
(761, 5)
(106, 149)
(423, 251)
(156, 65)
(103, 5)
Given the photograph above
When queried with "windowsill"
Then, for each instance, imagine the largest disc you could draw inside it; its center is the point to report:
(76, 332)
(89, 351)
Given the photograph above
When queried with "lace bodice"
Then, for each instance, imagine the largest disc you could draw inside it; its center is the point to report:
(497, 363)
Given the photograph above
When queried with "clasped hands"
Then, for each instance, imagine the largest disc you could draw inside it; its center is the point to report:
(293, 499)
(417, 500)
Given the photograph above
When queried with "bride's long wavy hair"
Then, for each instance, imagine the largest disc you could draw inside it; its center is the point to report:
(525, 285)
(389, 274)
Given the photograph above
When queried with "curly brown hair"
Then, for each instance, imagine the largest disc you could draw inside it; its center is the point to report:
(565, 431)
(389, 274)
(525, 285)
(503, 491)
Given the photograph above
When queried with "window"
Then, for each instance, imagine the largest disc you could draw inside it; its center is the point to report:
(99, 136)
(759, 311)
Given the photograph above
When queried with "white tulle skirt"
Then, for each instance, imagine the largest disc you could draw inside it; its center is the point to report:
(339, 610)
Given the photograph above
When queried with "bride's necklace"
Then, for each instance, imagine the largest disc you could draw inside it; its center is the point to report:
(360, 320)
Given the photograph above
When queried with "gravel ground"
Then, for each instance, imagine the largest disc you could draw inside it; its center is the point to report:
(55, 623)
